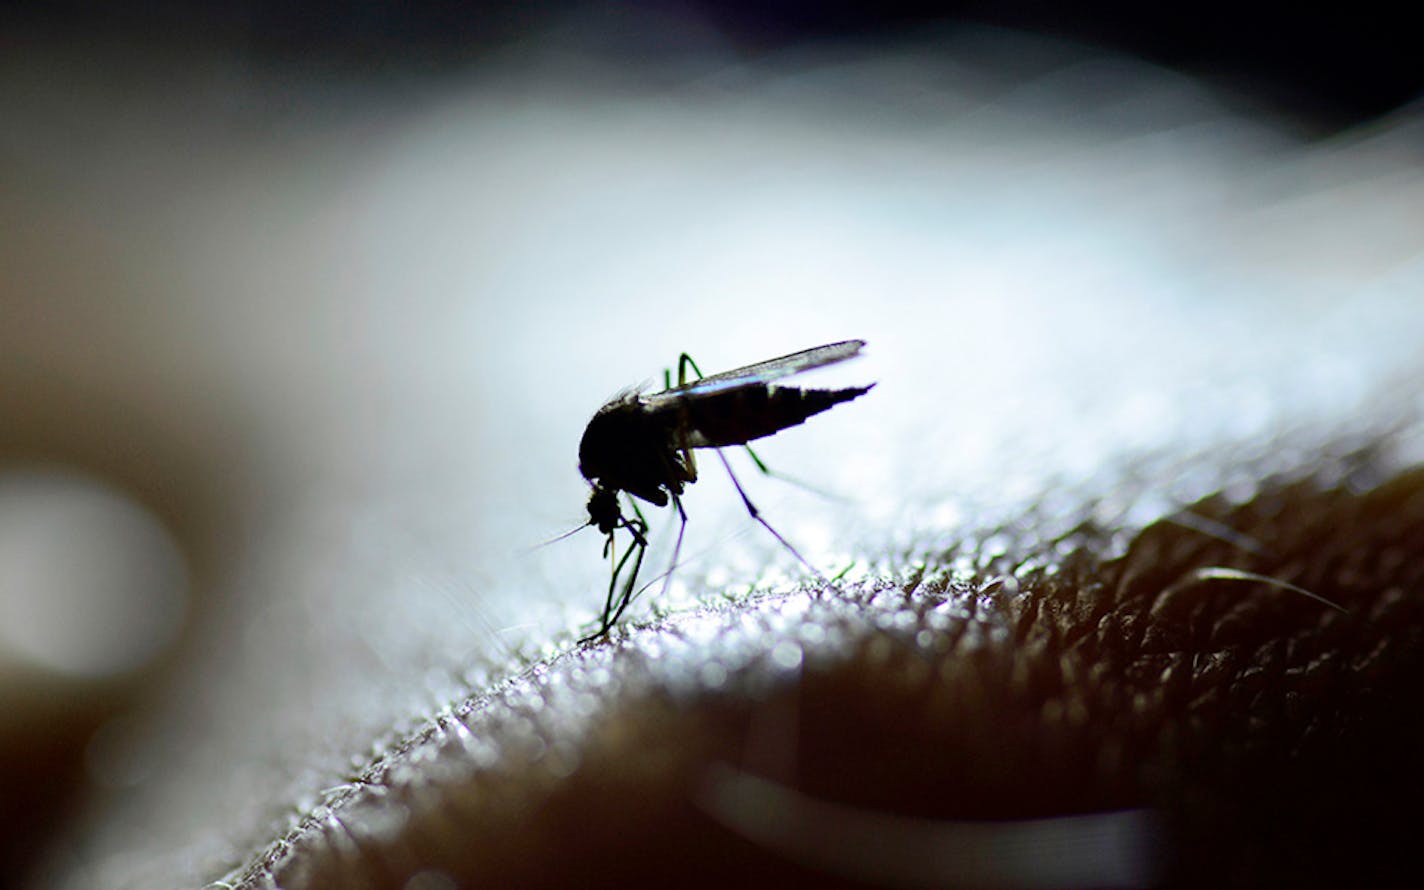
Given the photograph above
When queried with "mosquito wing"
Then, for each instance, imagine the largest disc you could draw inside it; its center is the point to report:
(762, 373)
(736, 407)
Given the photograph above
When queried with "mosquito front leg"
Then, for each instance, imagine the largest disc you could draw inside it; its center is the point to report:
(617, 565)
(614, 603)
(638, 530)
(676, 547)
(639, 533)
(607, 600)
(610, 614)
(626, 597)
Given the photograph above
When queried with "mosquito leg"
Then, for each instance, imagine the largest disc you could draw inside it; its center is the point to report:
(603, 623)
(640, 533)
(610, 552)
(677, 545)
(666, 577)
(614, 604)
(638, 530)
(617, 601)
(794, 480)
(627, 596)
(760, 465)
(610, 612)
(604, 620)
(756, 514)
(684, 362)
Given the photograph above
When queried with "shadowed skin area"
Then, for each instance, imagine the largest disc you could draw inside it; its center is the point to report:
(1270, 734)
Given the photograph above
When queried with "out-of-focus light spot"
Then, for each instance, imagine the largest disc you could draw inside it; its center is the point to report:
(430, 880)
(787, 655)
(91, 584)
(713, 675)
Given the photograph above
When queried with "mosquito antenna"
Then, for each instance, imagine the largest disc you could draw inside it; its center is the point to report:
(557, 538)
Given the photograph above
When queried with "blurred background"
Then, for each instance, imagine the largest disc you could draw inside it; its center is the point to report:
(303, 307)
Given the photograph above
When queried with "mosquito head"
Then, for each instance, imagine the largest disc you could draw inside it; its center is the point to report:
(603, 510)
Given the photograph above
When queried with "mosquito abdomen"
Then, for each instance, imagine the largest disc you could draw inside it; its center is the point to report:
(735, 417)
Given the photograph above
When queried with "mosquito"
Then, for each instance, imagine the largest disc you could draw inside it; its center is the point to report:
(640, 446)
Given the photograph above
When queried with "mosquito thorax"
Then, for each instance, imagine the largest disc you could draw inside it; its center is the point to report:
(625, 448)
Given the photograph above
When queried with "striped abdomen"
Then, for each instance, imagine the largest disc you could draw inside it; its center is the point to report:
(737, 416)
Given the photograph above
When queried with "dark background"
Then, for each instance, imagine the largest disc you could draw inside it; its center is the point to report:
(1329, 66)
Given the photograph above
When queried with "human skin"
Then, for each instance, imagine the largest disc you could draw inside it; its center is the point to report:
(373, 690)
(1244, 719)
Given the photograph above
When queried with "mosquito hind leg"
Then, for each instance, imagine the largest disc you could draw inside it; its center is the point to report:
(684, 362)
(756, 514)
(760, 464)
(793, 480)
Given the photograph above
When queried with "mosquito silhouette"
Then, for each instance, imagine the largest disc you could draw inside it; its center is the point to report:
(640, 445)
